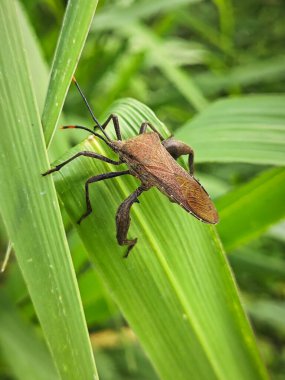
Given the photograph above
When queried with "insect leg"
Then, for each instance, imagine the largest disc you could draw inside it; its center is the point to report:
(116, 124)
(177, 148)
(86, 154)
(147, 124)
(123, 220)
(97, 178)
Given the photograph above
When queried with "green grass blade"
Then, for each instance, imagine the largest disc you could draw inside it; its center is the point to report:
(246, 212)
(278, 231)
(182, 81)
(26, 354)
(175, 289)
(39, 76)
(246, 129)
(31, 213)
(270, 313)
(76, 23)
(38, 67)
(227, 22)
(208, 32)
(257, 265)
(255, 72)
(117, 16)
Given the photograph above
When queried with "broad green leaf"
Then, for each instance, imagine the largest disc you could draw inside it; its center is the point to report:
(98, 305)
(246, 212)
(26, 354)
(255, 72)
(31, 213)
(246, 129)
(69, 47)
(175, 289)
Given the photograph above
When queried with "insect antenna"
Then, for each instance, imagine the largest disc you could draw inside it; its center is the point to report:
(90, 110)
(85, 129)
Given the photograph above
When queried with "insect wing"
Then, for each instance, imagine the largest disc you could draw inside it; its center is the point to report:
(170, 178)
(194, 198)
(180, 187)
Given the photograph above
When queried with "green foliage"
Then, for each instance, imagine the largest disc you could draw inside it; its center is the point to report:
(198, 269)
(246, 129)
(78, 13)
(210, 77)
(19, 341)
(248, 211)
(31, 213)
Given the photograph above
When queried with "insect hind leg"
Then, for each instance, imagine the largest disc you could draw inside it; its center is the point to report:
(123, 220)
(178, 148)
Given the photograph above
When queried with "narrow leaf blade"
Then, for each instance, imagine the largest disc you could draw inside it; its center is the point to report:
(31, 213)
(69, 47)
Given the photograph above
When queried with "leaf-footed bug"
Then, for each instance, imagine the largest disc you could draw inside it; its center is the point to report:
(152, 159)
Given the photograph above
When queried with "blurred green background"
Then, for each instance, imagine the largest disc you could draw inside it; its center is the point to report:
(179, 57)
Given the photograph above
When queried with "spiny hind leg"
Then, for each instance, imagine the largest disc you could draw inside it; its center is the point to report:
(123, 220)
(178, 148)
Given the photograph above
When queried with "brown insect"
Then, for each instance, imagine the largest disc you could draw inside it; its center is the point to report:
(152, 159)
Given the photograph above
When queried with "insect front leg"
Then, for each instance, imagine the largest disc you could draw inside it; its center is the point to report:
(116, 124)
(97, 178)
(147, 124)
(123, 220)
(177, 148)
(86, 154)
